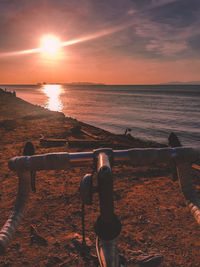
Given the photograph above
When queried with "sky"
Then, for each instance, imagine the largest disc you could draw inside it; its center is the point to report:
(107, 41)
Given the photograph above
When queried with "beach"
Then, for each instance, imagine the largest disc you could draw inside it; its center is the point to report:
(154, 216)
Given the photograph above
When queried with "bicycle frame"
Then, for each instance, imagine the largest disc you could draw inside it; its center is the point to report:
(107, 226)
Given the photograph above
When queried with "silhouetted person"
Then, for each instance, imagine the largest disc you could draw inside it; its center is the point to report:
(127, 130)
(173, 140)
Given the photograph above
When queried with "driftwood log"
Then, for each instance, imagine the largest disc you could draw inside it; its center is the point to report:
(52, 142)
(90, 134)
(73, 143)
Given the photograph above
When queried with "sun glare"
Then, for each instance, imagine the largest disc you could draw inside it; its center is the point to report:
(53, 92)
(50, 45)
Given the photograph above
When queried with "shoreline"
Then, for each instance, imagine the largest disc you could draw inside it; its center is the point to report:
(150, 205)
(75, 122)
(155, 124)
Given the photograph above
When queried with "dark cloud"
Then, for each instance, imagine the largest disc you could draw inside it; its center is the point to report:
(149, 4)
(168, 26)
(194, 43)
(179, 13)
(141, 4)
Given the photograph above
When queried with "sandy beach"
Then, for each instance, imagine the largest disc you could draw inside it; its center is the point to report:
(150, 205)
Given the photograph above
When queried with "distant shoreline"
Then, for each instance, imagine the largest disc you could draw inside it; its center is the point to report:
(104, 84)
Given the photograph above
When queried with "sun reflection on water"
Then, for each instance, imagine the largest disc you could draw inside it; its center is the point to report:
(53, 92)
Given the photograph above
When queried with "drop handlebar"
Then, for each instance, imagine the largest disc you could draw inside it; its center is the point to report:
(182, 156)
(137, 157)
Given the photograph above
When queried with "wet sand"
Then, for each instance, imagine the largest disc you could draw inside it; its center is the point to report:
(148, 202)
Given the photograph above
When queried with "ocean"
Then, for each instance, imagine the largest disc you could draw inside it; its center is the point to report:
(150, 111)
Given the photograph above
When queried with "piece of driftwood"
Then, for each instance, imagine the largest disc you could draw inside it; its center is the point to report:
(196, 167)
(52, 142)
(90, 135)
(72, 143)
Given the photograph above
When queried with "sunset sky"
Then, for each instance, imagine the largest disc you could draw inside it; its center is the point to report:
(101, 41)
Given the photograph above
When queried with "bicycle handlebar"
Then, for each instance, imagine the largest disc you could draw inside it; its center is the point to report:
(183, 157)
(138, 157)
(16, 215)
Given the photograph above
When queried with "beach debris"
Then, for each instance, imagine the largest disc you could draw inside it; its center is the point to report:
(52, 142)
(53, 261)
(90, 134)
(145, 259)
(36, 238)
(196, 167)
(150, 260)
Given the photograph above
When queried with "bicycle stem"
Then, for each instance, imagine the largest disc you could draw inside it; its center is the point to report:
(105, 186)
(107, 226)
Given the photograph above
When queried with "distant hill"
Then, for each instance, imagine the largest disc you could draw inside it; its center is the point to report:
(84, 83)
(182, 83)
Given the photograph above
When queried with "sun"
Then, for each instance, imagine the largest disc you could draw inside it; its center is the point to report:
(50, 45)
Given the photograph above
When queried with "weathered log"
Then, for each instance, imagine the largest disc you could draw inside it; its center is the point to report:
(72, 143)
(196, 167)
(90, 135)
(53, 142)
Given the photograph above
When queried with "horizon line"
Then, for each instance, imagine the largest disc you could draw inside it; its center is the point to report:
(101, 83)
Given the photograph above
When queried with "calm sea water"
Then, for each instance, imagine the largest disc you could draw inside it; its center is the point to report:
(152, 112)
